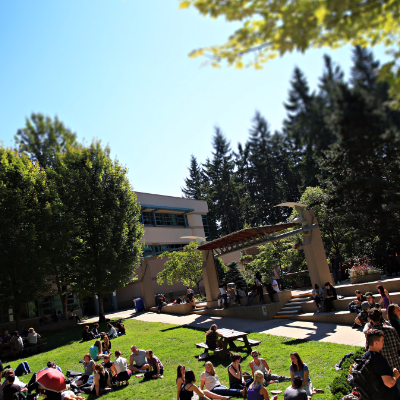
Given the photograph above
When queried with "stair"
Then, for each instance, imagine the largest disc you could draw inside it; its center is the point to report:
(293, 306)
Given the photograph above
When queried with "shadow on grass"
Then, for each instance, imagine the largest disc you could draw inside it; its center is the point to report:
(295, 341)
(196, 328)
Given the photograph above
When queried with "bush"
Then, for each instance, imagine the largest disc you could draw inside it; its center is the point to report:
(340, 386)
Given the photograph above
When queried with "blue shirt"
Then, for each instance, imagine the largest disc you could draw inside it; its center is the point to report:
(300, 373)
(94, 350)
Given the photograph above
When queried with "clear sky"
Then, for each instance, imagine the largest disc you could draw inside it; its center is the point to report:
(119, 71)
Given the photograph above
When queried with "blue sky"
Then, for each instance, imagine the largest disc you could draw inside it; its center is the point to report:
(119, 71)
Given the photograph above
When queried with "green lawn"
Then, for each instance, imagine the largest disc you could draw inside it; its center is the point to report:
(174, 345)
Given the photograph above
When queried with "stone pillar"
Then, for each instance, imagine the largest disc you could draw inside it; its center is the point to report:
(210, 278)
(146, 284)
(315, 253)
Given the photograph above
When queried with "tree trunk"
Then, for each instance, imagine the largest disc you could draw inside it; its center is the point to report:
(198, 286)
(64, 301)
(101, 303)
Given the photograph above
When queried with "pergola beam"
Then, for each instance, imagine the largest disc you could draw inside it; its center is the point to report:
(262, 239)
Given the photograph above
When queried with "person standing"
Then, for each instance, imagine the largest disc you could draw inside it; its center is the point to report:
(277, 276)
(393, 265)
(336, 268)
(389, 376)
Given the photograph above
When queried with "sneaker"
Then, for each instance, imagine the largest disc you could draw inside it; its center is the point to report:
(318, 310)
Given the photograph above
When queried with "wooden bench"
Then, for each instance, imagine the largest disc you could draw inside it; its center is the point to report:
(37, 346)
(251, 341)
(205, 347)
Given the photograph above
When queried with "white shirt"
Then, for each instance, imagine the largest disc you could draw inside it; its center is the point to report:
(275, 286)
(33, 337)
(277, 271)
(210, 380)
(121, 364)
(222, 290)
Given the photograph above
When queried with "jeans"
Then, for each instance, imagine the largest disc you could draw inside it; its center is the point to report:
(336, 275)
(250, 298)
(241, 386)
(224, 391)
(318, 300)
(22, 369)
(274, 377)
(150, 374)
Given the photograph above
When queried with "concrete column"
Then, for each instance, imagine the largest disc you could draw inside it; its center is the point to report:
(115, 301)
(315, 253)
(210, 278)
(146, 283)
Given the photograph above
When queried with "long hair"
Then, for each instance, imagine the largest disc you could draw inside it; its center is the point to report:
(299, 362)
(179, 371)
(150, 353)
(213, 328)
(190, 377)
(381, 290)
(31, 330)
(99, 368)
(258, 380)
(97, 343)
(212, 368)
(390, 311)
(106, 340)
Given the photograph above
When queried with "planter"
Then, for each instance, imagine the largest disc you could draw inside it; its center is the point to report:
(366, 278)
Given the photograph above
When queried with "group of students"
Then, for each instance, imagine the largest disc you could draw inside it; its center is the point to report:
(241, 386)
(113, 332)
(21, 339)
(162, 300)
(233, 295)
(98, 377)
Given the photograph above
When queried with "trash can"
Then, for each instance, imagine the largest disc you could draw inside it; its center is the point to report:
(139, 306)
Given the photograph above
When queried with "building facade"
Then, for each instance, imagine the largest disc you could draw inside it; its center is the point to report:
(167, 220)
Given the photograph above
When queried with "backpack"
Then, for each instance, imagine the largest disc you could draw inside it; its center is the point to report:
(363, 378)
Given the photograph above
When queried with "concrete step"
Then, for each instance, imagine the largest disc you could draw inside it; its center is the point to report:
(298, 296)
(337, 317)
(291, 308)
(287, 312)
(300, 300)
(282, 316)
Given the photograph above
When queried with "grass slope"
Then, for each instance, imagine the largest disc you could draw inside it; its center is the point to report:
(174, 345)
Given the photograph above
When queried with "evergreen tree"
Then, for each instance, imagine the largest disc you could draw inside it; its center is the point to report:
(221, 269)
(234, 274)
(194, 188)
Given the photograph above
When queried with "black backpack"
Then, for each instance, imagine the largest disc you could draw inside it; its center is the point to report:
(364, 379)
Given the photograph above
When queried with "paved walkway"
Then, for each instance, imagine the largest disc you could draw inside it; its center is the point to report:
(318, 331)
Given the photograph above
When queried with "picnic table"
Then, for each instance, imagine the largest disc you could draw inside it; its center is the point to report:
(228, 337)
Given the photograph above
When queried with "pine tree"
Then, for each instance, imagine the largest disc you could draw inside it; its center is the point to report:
(194, 188)
(234, 274)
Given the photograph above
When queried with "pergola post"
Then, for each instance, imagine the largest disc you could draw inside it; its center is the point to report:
(315, 253)
(210, 278)
(146, 284)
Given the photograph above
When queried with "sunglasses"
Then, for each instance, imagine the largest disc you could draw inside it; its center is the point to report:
(254, 355)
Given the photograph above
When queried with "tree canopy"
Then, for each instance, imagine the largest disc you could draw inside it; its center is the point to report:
(182, 266)
(274, 27)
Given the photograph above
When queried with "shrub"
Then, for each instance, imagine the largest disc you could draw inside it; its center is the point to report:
(340, 386)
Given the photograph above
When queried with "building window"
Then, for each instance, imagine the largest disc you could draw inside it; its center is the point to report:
(206, 228)
(154, 250)
(161, 219)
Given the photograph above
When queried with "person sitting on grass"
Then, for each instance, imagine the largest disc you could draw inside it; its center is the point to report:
(156, 369)
(210, 379)
(86, 335)
(109, 365)
(138, 357)
(256, 390)
(259, 364)
(120, 328)
(212, 338)
(298, 368)
(188, 387)
(10, 372)
(106, 345)
(112, 333)
(95, 331)
(121, 367)
(236, 380)
(295, 391)
(10, 389)
(96, 351)
(32, 338)
(88, 365)
(181, 379)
